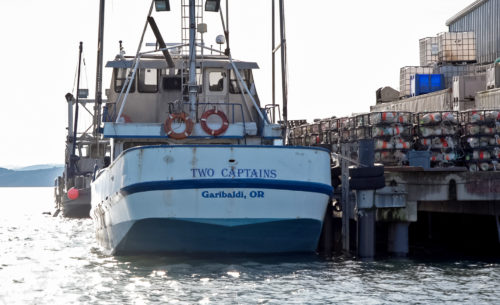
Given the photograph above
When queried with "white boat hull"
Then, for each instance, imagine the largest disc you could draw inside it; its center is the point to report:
(197, 199)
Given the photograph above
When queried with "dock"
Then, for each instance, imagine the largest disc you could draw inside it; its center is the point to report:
(418, 211)
(438, 140)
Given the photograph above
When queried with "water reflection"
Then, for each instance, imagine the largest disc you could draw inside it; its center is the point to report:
(46, 260)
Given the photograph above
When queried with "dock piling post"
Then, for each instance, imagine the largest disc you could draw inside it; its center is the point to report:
(366, 232)
(366, 211)
(345, 232)
(328, 231)
(398, 238)
(497, 218)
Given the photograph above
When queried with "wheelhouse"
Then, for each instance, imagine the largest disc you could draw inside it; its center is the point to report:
(227, 110)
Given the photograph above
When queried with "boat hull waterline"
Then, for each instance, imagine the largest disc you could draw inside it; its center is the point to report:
(218, 199)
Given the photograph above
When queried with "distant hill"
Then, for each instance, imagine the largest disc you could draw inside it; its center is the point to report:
(29, 178)
(36, 167)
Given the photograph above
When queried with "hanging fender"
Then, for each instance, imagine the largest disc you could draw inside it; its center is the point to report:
(178, 116)
(210, 131)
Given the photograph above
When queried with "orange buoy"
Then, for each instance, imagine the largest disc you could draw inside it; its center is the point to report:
(73, 193)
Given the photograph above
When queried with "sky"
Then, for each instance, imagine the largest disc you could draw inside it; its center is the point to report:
(339, 53)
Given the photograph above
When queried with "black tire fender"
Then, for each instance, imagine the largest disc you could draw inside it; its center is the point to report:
(367, 183)
(361, 172)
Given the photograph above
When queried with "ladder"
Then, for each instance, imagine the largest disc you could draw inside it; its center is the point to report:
(185, 42)
(185, 23)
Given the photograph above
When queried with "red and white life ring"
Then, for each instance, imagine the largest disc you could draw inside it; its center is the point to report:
(178, 116)
(210, 131)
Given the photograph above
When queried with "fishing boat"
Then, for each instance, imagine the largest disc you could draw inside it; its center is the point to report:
(197, 164)
(85, 153)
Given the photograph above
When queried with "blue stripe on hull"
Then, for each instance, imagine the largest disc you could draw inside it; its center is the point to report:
(165, 235)
(228, 183)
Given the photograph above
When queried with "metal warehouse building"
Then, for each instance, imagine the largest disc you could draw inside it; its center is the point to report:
(483, 18)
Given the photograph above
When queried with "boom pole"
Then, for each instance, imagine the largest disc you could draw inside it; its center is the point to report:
(99, 68)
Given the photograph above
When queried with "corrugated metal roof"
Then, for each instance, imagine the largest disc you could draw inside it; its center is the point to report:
(465, 11)
(483, 20)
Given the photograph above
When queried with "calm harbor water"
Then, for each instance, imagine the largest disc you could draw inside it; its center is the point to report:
(47, 260)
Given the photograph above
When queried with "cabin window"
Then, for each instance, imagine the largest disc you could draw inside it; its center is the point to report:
(120, 77)
(172, 80)
(216, 81)
(234, 87)
(148, 80)
(172, 83)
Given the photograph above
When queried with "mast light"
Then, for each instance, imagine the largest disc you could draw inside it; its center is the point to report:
(212, 5)
(162, 5)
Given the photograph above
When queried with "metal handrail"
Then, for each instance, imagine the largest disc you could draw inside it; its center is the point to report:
(206, 106)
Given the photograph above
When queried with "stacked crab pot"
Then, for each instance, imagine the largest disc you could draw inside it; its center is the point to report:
(330, 133)
(392, 135)
(296, 136)
(481, 139)
(346, 129)
(313, 134)
(300, 135)
(439, 133)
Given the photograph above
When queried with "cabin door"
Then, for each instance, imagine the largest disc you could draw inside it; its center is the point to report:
(215, 85)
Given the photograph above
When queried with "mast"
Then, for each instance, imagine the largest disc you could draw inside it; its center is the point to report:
(192, 85)
(283, 64)
(273, 42)
(72, 157)
(98, 82)
(228, 51)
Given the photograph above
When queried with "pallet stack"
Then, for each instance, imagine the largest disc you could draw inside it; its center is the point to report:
(481, 139)
(439, 132)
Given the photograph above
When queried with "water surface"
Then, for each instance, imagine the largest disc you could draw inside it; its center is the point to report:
(47, 260)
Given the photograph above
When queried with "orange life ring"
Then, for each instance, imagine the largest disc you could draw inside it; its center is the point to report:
(210, 131)
(178, 135)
